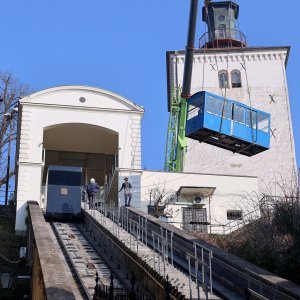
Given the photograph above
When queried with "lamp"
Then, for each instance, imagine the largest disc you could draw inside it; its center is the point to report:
(6, 280)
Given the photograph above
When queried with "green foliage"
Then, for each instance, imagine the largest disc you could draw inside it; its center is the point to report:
(272, 242)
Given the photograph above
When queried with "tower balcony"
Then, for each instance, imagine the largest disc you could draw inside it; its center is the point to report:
(222, 38)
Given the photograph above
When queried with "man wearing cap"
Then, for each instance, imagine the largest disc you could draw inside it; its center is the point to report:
(127, 191)
(92, 189)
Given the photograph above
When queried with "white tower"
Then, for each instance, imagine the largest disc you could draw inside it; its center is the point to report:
(255, 76)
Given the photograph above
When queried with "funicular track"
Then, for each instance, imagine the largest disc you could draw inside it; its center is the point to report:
(84, 261)
(173, 259)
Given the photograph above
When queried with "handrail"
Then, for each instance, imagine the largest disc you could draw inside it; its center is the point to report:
(138, 261)
(220, 35)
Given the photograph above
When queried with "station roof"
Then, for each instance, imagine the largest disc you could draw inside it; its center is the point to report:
(61, 95)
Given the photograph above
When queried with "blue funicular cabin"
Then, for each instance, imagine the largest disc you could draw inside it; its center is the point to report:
(63, 192)
(227, 124)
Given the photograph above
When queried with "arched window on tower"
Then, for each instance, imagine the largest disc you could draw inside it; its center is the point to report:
(223, 79)
(236, 79)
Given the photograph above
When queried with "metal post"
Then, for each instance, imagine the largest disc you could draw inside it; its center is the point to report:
(8, 163)
(197, 281)
(164, 257)
(190, 279)
(203, 269)
(209, 205)
(113, 219)
(146, 233)
(158, 258)
(118, 224)
(172, 248)
(139, 220)
(210, 273)
(137, 238)
(130, 234)
(196, 270)
(166, 246)
(205, 287)
(105, 214)
(143, 230)
(153, 242)
(127, 218)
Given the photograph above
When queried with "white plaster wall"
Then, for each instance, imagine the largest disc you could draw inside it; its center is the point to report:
(134, 177)
(266, 76)
(62, 106)
(231, 192)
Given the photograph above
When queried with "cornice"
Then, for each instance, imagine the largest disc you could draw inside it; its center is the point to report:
(230, 57)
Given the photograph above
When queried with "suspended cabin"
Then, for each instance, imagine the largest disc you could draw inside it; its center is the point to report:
(227, 124)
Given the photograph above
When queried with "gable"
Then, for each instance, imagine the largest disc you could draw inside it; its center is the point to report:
(81, 96)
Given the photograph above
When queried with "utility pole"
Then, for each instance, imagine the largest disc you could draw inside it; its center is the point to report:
(8, 160)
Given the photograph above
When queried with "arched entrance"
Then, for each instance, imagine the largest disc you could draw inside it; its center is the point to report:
(91, 147)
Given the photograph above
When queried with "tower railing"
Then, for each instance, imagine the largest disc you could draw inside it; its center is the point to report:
(221, 38)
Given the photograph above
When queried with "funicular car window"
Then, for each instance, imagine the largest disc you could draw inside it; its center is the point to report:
(227, 113)
(66, 178)
(262, 122)
(238, 113)
(213, 105)
(251, 118)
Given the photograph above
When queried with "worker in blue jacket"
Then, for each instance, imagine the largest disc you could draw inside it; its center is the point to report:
(92, 189)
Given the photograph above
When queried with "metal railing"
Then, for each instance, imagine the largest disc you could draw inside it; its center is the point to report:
(217, 37)
(202, 258)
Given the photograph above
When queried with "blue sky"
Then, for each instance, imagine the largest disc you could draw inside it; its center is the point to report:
(120, 45)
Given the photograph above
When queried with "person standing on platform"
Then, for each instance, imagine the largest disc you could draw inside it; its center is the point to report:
(92, 189)
(127, 191)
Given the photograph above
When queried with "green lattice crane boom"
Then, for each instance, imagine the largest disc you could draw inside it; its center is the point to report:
(176, 140)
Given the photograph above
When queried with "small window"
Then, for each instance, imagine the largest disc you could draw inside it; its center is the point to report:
(262, 122)
(251, 118)
(236, 79)
(227, 114)
(234, 215)
(66, 178)
(213, 105)
(223, 79)
(238, 114)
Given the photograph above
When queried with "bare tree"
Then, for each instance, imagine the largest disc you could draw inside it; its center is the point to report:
(11, 91)
(160, 198)
(272, 239)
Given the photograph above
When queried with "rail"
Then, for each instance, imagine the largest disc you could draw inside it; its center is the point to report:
(117, 246)
(233, 271)
(217, 37)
